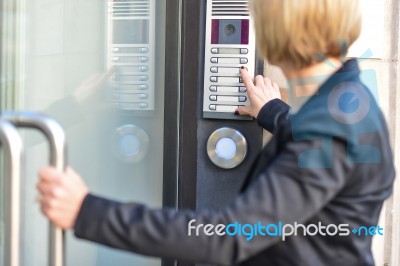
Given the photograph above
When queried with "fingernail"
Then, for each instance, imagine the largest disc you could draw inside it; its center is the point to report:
(242, 67)
(237, 113)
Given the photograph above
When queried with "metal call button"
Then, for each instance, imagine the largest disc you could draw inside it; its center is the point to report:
(226, 148)
(242, 89)
(214, 79)
(213, 98)
(143, 68)
(226, 108)
(244, 51)
(214, 60)
(214, 69)
(144, 96)
(213, 88)
(214, 50)
(229, 80)
(244, 60)
(228, 98)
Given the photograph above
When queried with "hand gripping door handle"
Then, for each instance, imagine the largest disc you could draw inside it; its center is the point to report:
(57, 140)
(11, 142)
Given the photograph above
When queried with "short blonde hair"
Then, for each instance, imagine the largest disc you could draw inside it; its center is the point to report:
(303, 32)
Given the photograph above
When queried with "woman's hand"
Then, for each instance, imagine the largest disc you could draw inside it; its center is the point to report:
(61, 195)
(260, 92)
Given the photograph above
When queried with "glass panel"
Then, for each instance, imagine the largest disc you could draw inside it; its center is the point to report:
(97, 66)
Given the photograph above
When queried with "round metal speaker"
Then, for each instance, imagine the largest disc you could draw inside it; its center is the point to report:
(227, 148)
(131, 143)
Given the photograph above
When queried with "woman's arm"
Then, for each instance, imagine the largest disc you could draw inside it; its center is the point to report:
(283, 192)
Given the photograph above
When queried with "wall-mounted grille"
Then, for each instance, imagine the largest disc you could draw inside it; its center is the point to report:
(131, 8)
(230, 8)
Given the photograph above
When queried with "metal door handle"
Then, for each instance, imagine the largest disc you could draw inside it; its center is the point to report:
(11, 141)
(56, 137)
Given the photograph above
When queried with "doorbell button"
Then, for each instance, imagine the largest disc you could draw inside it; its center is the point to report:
(227, 148)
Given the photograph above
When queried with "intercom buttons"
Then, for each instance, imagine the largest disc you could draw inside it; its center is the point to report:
(213, 107)
(143, 96)
(242, 89)
(143, 68)
(213, 88)
(214, 79)
(228, 98)
(242, 99)
(214, 69)
(214, 60)
(143, 105)
(214, 50)
(213, 98)
(244, 60)
(226, 148)
(225, 108)
(244, 51)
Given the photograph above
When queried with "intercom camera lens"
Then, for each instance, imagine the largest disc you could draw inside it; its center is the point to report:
(230, 29)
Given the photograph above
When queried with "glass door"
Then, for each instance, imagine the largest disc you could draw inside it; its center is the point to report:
(97, 67)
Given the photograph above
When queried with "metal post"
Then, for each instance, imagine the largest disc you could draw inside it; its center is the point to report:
(57, 140)
(12, 144)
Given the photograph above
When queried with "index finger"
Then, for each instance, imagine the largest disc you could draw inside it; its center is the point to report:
(247, 80)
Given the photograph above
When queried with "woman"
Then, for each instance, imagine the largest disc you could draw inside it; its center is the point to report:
(326, 171)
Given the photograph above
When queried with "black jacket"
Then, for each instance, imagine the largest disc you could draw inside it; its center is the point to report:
(330, 163)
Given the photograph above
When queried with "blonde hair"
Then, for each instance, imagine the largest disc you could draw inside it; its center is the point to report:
(302, 32)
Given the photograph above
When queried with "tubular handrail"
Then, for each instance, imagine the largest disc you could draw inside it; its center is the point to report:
(58, 158)
(11, 142)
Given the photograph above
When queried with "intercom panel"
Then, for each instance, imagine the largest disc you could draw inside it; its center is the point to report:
(131, 53)
(230, 44)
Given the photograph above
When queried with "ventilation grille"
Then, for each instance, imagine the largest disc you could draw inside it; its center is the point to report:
(230, 8)
(131, 8)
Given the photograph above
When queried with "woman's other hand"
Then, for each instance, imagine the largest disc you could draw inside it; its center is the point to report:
(261, 91)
